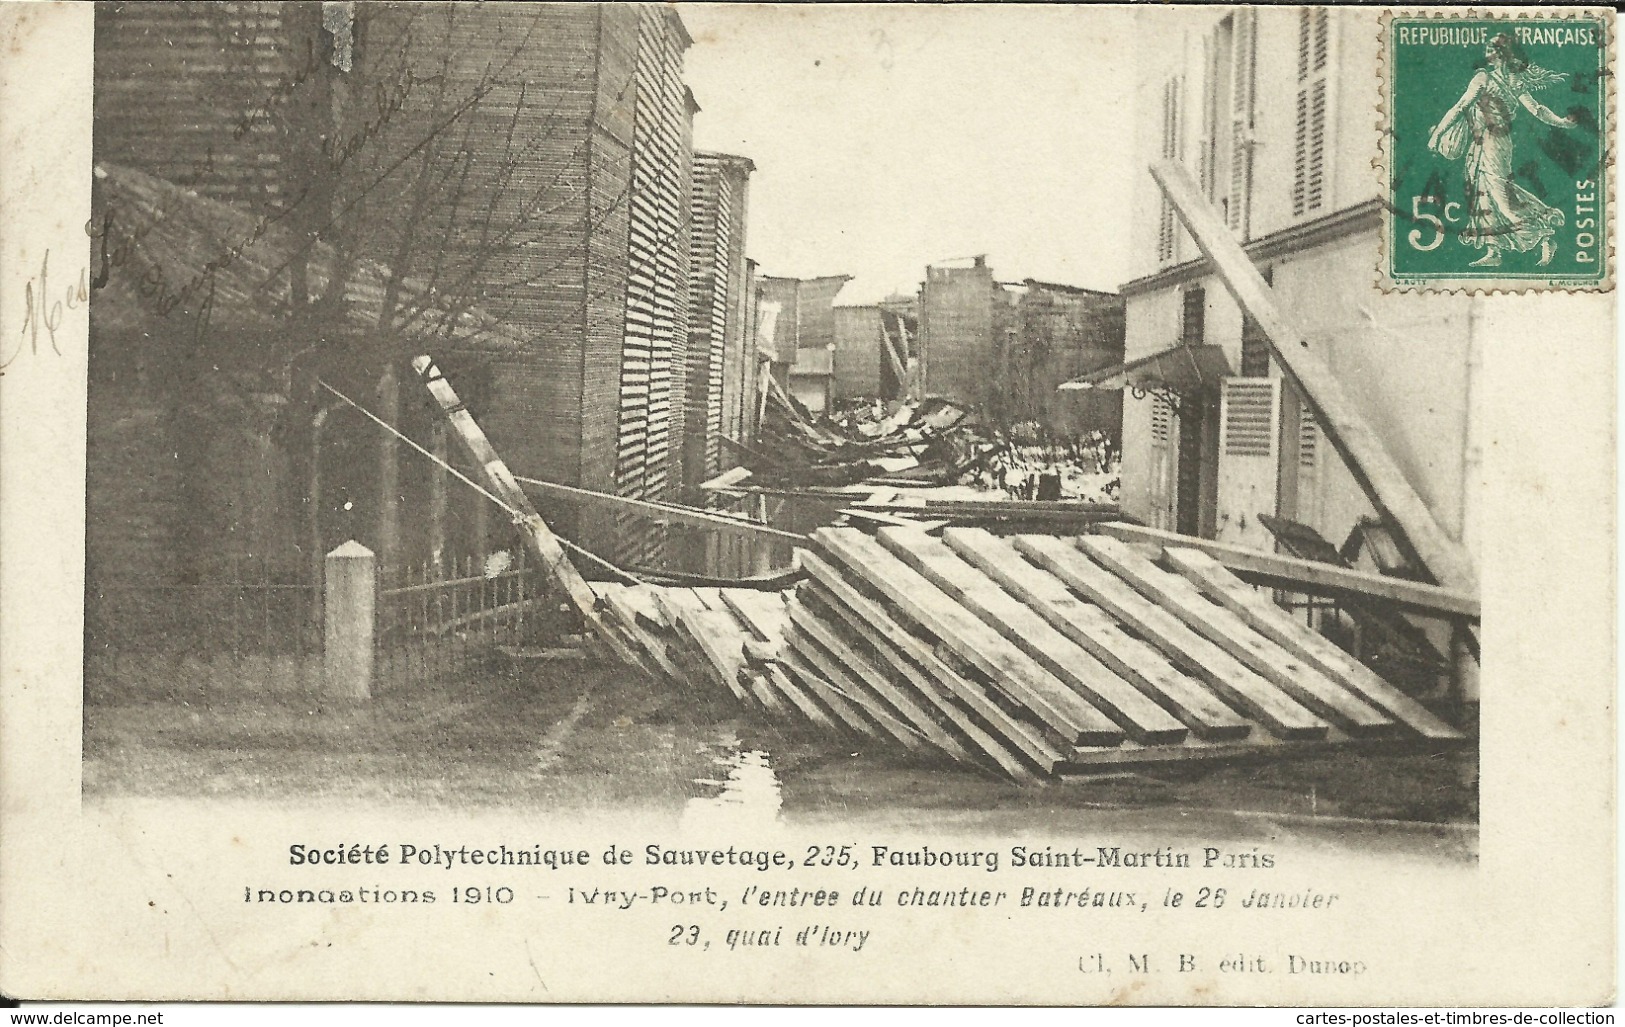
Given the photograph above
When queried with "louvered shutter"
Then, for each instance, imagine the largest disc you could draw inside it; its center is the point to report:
(1249, 426)
(1161, 431)
(1311, 184)
(1308, 468)
(1167, 237)
(1207, 156)
(1243, 89)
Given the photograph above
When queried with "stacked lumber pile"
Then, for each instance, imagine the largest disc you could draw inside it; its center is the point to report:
(1032, 655)
(1040, 654)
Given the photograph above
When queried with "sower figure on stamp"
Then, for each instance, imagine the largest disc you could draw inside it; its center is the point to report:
(1502, 214)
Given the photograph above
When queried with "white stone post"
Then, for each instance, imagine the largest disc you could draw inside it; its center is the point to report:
(351, 588)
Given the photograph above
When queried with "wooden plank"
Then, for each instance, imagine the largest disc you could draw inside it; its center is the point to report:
(763, 613)
(1360, 446)
(891, 520)
(869, 619)
(1090, 627)
(732, 476)
(911, 676)
(626, 614)
(1138, 715)
(897, 364)
(851, 688)
(809, 709)
(1012, 672)
(1308, 645)
(661, 513)
(539, 538)
(1224, 629)
(721, 642)
(845, 709)
(875, 681)
(710, 595)
(1308, 576)
(626, 628)
(1282, 714)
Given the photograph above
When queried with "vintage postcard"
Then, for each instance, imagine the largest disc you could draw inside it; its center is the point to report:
(807, 503)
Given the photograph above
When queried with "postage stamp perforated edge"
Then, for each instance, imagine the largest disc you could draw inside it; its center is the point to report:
(1383, 165)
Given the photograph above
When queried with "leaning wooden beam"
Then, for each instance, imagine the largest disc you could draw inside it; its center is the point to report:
(847, 711)
(809, 709)
(539, 538)
(1361, 448)
(908, 675)
(899, 366)
(669, 513)
(875, 682)
(1276, 624)
(1309, 576)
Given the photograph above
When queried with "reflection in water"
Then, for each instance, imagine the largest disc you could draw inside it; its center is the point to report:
(749, 794)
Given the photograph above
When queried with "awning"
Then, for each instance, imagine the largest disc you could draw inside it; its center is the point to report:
(1179, 368)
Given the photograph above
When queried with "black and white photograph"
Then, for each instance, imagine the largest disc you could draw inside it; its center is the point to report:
(823, 503)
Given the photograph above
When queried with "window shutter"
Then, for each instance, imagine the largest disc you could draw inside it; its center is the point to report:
(1167, 237)
(1207, 150)
(1249, 441)
(1161, 431)
(1193, 316)
(1311, 134)
(1244, 79)
(1161, 415)
(1255, 346)
(1308, 467)
(1251, 406)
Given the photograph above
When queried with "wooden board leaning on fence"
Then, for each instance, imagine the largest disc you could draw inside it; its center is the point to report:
(539, 538)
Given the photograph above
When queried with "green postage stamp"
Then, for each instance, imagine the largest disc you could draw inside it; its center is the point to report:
(1497, 141)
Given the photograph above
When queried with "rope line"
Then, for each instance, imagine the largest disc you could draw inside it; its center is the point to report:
(514, 514)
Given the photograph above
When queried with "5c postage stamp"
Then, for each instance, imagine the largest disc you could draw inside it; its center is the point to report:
(1496, 145)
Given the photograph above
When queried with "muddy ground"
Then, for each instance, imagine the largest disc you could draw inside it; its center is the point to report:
(574, 735)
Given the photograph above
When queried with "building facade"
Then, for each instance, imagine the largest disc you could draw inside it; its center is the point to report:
(798, 315)
(1048, 333)
(956, 331)
(1271, 110)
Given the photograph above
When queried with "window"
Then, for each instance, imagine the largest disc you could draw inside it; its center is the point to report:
(1226, 159)
(1214, 159)
(1311, 136)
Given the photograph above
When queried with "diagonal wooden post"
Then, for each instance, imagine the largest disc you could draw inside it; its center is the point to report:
(898, 366)
(539, 538)
(1361, 448)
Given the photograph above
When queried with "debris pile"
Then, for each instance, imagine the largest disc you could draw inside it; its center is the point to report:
(928, 442)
